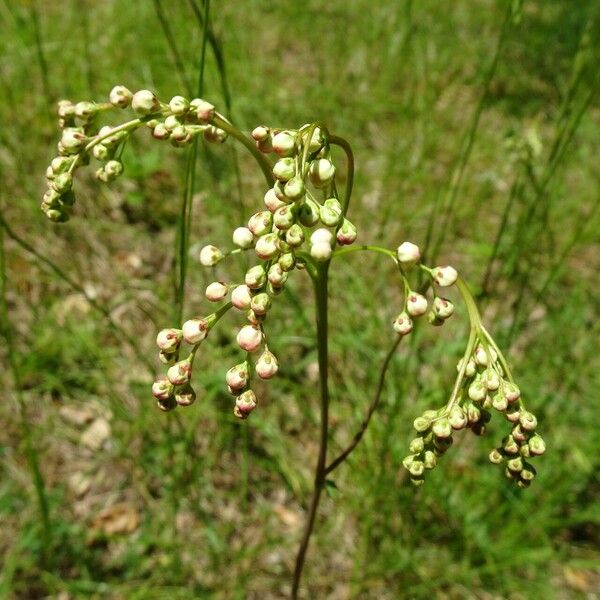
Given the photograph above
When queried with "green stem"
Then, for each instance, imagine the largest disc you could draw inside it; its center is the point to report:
(345, 146)
(365, 248)
(320, 285)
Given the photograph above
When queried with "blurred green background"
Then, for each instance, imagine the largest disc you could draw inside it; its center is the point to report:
(476, 128)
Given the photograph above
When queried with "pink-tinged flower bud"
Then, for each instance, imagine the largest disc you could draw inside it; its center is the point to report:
(442, 308)
(403, 324)
(210, 256)
(284, 143)
(346, 234)
(518, 434)
(266, 365)
(245, 403)
(65, 109)
(416, 304)
(194, 330)
(180, 373)
(277, 276)
(214, 135)
(408, 254)
(294, 236)
(260, 223)
(512, 414)
(441, 428)
(241, 297)
(477, 391)
(168, 340)
(162, 388)
(537, 446)
(511, 392)
(72, 140)
(284, 169)
(237, 377)
(284, 217)
(499, 402)
(528, 421)
(120, 96)
(272, 202)
(445, 276)
(179, 105)
(185, 395)
(205, 111)
(457, 418)
(256, 277)
(266, 246)
(321, 251)
(294, 189)
(249, 338)
(216, 291)
(321, 172)
(86, 110)
(243, 238)
(145, 102)
(260, 304)
(308, 213)
(260, 133)
(491, 379)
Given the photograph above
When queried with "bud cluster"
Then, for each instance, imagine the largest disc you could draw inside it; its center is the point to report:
(82, 139)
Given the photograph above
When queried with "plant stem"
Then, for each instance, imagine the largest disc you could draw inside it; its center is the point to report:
(320, 284)
(345, 146)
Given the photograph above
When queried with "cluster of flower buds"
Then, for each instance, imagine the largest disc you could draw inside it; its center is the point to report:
(179, 121)
(293, 228)
(482, 385)
(416, 304)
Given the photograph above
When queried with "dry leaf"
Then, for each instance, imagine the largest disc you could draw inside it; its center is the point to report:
(96, 434)
(119, 518)
(77, 415)
(288, 517)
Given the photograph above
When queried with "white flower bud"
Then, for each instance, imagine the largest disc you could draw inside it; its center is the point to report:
(284, 217)
(294, 236)
(477, 391)
(255, 277)
(445, 276)
(216, 291)
(237, 377)
(346, 234)
(260, 133)
(179, 105)
(403, 324)
(457, 418)
(100, 152)
(245, 403)
(272, 202)
(491, 379)
(194, 330)
(86, 110)
(416, 304)
(60, 164)
(243, 238)
(249, 338)
(266, 366)
(321, 172)
(62, 183)
(321, 251)
(120, 96)
(408, 254)
(284, 143)
(481, 356)
(241, 297)
(145, 102)
(511, 392)
(205, 111)
(321, 235)
(441, 428)
(162, 388)
(528, 421)
(168, 340)
(210, 256)
(442, 308)
(266, 246)
(284, 169)
(260, 223)
(113, 168)
(72, 140)
(277, 276)
(65, 109)
(180, 373)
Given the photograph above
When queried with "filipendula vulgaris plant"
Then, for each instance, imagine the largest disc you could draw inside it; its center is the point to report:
(302, 225)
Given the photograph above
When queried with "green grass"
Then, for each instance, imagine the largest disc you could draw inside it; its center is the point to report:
(221, 504)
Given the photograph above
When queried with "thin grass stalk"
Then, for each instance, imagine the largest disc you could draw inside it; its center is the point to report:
(42, 62)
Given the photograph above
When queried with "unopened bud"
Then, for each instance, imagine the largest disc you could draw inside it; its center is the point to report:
(442, 428)
(499, 402)
(249, 338)
(277, 276)
(210, 256)
(145, 102)
(205, 111)
(272, 202)
(528, 421)
(216, 291)
(260, 133)
(256, 277)
(346, 234)
(266, 365)
(168, 340)
(416, 304)
(62, 183)
(260, 223)
(194, 330)
(237, 377)
(266, 246)
(537, 446)
(162, 389)
(284, 169)
(120, 96)
(511, 392)
(294, 189)
(287, 261)
(442, 308)
(72, 140)
(180, 373)
(417, 445)
(294, 236)
(284, 143)
(241, 297)
(245, 403)
(403, 324)
(445, 276)
(308, 213)
(408, 254)
(457, 418)
(179, 105)
(495, 456)
(185, 395)
(422, 424)
(243, 238)
(321, 172)
(284, 217)
(260, 303)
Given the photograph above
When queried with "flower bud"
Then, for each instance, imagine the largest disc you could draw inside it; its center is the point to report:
(256, 277)
(408, 254)
(445, 276)
(284, 217)
(205, 111)
(321, 251)
(321, 235)
(499, 402)
(491, 379)
(237, 377)
(308, 213)
(241, 297)
(284, 143)
(216, 291)
(253, 318)
(442, 308)
(496, 456)
(194, 330)
(145, 102)
(265, 146)
(416, 304)
(416, 468)
(179, 105)
(287, 261)
(113, 168)
(243, 238)
(528, 421)
(277, 276)
(330, 216)
(511, 392)
(162, 388)
(346, 234)
(284, 169)
(537, 446)
(422, 424)
(168, 340)
(260, 133)
(294, 189)
(519, 435)
(185, 395)
(272, 202)
(477, 391)
(321, 172)
(442, 428)
(65, 109)
(249, 338)
(120, 96)
(260, 303)
(266, 365)
(260, 223)
(417, 445)
(434, 320)
(210, 256)
(266, 246)
(509, 445)
(100, 152)
(86, 110)
(72, 140)
(403, 324)
(457, 418)
(180, 373)
(167, 358)
(294, 236)
(528, 472)
(60, 164)
(429, 459)
(512, 414)
(473, 413)
(62, 183)
(245, 403)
